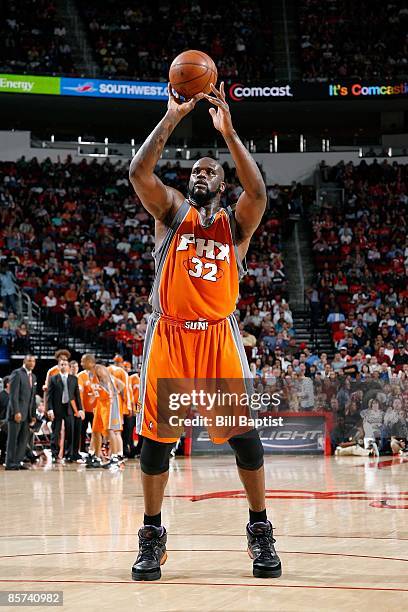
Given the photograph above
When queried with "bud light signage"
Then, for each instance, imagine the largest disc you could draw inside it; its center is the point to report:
(297, 435)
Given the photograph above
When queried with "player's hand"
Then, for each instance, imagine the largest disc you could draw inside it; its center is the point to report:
(17, 417)
(180, 108)
(222, 116)
(50, 415)
(81, 414)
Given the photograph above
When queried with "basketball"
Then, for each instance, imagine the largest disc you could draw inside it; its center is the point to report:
(192, 72)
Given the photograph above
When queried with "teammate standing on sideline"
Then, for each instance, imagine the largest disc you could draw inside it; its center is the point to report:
(78, 419)
(90, 382)
(88, 398)
(134, 383)
(199, 250)
(118, 371)
(107, 419)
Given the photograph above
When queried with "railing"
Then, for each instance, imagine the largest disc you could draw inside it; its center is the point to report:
(270, 143)
(80, 35)
(26, 308)
(329, 197)
(287, 51)
(126, 150)
(301, 289)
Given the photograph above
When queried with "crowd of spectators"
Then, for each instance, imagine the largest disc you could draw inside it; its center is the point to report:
(76, 239)
(141, 40)
(360, 250)
(14, 333)
(342, 39)
(32, 39)
(338, 39)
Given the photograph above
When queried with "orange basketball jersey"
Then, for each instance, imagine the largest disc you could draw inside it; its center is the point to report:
(124, 395)
(107, 413)
(134, 383)
(197, 268)
(51, 372)
(87, 391)
(192, 332)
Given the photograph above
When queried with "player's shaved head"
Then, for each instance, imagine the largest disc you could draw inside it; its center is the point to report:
(88, 361)
(206, 181)
(212, 163)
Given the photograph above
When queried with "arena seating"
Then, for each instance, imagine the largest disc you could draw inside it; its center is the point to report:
(344, 39)
(337, 39)
(32, 40)
(80, 245)
(361, 254)
(129, 39)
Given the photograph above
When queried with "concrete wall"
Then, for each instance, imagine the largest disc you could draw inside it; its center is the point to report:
(282, 168)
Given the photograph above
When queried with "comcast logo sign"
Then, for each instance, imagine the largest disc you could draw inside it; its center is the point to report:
(238, 91)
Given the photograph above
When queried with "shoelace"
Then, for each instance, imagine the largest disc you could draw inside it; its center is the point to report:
(147, 550)
(265, 545)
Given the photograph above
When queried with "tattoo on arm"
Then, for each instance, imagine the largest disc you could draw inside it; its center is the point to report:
(149, 153)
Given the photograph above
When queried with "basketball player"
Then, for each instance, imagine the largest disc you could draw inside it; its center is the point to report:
(117, 369)
(88, 399)
(78, 418)
(134, 383)
(107, 419)
(127, 366)
(199, 252)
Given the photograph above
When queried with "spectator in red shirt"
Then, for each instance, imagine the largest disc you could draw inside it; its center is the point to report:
(382, 357)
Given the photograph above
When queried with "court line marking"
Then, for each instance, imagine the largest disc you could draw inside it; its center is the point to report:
(233, 550)
(383, 504)
(207, 584)
(224, 535)
(380, 465)
(302, 494)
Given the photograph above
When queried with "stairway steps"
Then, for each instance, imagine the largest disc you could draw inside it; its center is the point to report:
(45, 340)
(321, 338)
(77, 37)
(285, 40)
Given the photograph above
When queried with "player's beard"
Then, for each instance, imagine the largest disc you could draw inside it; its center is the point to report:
(202, 197)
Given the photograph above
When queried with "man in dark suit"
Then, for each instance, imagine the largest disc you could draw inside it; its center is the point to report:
(4, 400)
(20, 412)
(64, 404)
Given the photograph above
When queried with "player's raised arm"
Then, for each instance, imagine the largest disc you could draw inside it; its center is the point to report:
(156, 197)
(252, 202)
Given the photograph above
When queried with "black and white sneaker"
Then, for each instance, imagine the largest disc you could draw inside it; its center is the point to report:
(113, 462)
(93, 462)
(152, 553)
(266, 563)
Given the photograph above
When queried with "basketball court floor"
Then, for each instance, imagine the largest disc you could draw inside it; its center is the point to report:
(341, 526)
